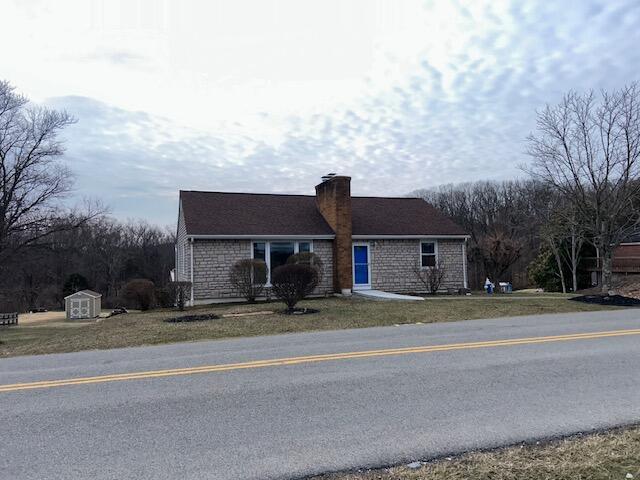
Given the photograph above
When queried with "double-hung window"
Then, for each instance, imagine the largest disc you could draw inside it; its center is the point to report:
(276, 253)
(428, 254)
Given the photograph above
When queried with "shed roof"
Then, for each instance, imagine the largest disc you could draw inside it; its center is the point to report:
(89, 293)
(219, 213)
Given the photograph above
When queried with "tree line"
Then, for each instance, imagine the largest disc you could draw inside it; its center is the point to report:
(48, 248)
(580, 198)
(101, 254)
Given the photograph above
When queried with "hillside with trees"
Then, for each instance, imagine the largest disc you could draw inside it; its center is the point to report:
(579, 200)
(48, 248)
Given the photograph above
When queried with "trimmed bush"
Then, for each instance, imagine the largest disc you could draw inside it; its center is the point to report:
(310, 259)
(248, 277)
(164, 297)
(139, 293)
(292, 282)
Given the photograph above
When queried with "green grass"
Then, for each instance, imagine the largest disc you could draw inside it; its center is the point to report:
(335, 313)
(602, 456)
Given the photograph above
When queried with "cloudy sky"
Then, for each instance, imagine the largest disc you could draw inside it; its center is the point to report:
(267, 96)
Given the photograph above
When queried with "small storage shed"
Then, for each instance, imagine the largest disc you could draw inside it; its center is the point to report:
(83, 304)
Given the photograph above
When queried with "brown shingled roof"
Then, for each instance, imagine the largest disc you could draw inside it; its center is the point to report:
(218, 213)
(399, 216)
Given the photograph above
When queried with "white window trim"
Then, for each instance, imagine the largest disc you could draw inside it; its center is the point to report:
(435, 251)
(267, 251)
(183, 259)
(464, 264)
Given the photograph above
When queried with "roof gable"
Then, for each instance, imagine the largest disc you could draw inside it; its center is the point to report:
(85, 293)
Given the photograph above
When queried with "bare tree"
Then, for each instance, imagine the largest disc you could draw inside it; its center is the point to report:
(500, 251)
(554, 234)
(588, 149)
(430, 277)
(576, 237)
(180, 291)
(502, 219)
(564, 235)
(32, 179)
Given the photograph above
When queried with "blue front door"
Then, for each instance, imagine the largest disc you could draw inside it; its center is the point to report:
(361, 265)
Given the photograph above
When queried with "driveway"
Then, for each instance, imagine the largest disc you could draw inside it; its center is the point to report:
(293, 405)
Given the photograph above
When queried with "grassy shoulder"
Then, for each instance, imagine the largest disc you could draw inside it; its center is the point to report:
(149, 328)
(600, 456)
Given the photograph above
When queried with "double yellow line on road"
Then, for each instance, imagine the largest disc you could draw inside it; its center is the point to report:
(311, 359)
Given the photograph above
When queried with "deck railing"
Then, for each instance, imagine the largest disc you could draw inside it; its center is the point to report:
(620, 264)
(8, 318)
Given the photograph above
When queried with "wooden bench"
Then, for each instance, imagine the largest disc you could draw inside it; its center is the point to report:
(8, 319)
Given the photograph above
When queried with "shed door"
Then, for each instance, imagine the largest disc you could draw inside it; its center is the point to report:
(79, 308)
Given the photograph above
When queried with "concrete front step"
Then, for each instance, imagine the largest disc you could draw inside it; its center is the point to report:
(380, 295)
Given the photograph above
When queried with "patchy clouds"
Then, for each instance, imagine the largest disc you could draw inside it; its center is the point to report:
(399, 95)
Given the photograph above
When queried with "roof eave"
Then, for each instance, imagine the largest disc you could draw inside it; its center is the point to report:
(261, 237)
(402, 237)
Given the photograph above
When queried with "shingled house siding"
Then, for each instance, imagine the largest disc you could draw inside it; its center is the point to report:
(324, 249)
(213, 260)
(393, 262)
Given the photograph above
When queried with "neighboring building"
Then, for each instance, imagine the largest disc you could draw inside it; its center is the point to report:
(625, 261)
(364, 242)
(83, 304)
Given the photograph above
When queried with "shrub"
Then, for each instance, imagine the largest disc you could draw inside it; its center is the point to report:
(139, 293)
(543, 272)
(249, 277)
(292, 282)
(179, 292)
(310, 259)
(164, 297)
(431, 277)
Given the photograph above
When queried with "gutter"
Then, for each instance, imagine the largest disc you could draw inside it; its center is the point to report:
(464, 264)
(323, 237)
(191, 269)
(261, 237)
(401, 237)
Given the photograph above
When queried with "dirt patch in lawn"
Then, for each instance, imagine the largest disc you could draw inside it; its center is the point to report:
(600, 456)
(610, 300)
(202, 317)
(41, 317)
(248, 314)
(299, 311)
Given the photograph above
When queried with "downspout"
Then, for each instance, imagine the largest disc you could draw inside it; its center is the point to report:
(176, 270)
(464, 264)
(191, 269)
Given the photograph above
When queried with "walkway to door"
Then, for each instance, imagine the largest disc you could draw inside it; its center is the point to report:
(380, 295)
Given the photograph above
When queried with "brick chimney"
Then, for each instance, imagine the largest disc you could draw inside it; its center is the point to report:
(333, 197)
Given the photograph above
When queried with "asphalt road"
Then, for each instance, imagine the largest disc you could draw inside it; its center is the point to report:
(294, 418)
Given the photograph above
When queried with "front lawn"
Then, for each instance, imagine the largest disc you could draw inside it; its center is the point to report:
(148, 328)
